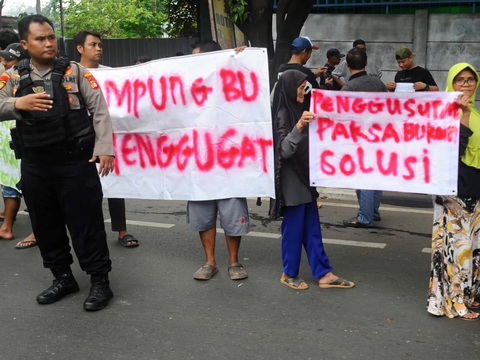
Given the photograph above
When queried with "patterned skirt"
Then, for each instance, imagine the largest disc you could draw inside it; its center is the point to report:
(454, 279)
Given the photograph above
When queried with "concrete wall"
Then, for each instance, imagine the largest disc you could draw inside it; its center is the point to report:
(439, 40)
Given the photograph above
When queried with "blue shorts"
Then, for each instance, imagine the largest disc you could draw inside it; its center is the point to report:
(9, 192)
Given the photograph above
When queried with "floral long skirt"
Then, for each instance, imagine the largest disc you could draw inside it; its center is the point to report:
(454, 279)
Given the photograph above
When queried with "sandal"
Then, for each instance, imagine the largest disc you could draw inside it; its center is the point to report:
(293, 283)
(375, 218)
(128, 239)
(354, 222)
(237, 272)
(474, 305)
(469, 319)
(339, 283)
(25, 244)
(206, 272)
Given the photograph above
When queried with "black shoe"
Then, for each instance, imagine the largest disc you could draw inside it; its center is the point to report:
(100, 294)
(63, 284)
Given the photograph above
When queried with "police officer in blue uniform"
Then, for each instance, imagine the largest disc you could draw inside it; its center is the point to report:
(59, 145)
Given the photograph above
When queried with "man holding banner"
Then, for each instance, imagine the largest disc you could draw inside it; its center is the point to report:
(195, 128)
(88, 44)
(369, 200)
(202, 216)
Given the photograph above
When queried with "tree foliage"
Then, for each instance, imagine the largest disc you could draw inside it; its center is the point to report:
(182, 18)
(111, 18)
(238, 10)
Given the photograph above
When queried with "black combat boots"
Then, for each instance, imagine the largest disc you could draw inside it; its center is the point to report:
(63, 284)
(100, 293)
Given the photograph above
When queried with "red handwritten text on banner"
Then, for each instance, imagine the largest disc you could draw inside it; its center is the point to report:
(385, 141)
(191, 128)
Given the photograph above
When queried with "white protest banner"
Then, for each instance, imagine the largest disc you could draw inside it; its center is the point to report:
(385, 141)
(194, 127)
(9, 166)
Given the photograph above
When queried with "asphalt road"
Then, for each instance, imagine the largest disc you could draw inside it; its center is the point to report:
(160, 312)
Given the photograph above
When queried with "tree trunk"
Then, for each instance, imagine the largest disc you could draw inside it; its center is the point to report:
(291, 15)
(258, 27)
(39, 7)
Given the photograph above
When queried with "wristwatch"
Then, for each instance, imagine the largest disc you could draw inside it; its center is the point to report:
(427, 87)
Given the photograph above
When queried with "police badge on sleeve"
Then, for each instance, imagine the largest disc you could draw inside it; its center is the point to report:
(91, 79)
(3, 80)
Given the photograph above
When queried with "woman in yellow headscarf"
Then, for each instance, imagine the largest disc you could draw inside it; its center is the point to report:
(454, 281)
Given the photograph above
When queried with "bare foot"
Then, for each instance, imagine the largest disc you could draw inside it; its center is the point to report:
(29, 241)
(6, 234)
(471, 315)
(328, 278)
(302, 286)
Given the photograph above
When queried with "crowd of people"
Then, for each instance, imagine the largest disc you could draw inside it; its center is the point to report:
(63, 129)
(455, 261)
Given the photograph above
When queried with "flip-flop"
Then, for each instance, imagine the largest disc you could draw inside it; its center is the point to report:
(375, 218)
(469, 319)
(354, 222)
(206, 272)
(339, 283)
(128, 238)
(293, 283)
(237, 272)
(31, 243)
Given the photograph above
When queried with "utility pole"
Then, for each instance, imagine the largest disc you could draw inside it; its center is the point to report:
(63, 50)
(39, 7)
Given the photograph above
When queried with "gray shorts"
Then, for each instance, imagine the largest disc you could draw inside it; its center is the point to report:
(202, 215)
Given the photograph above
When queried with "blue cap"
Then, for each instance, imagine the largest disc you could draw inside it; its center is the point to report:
(303, 43)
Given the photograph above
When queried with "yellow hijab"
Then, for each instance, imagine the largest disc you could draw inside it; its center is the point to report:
(472, 152)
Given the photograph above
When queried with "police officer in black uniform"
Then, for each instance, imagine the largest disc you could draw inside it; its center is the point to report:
(59, 145)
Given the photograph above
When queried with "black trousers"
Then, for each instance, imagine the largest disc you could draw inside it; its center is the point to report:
(67, 194)
(118, 214)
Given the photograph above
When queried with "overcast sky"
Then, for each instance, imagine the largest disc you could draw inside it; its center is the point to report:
(15, 4)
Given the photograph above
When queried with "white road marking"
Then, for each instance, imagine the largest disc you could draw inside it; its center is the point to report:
(355, 243)
(326, 241)
(146, 223)
(256, 234)
(382, 208)
(275, 236)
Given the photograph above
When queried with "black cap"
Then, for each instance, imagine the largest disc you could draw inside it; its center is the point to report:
(334, 52)
(13, 51)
